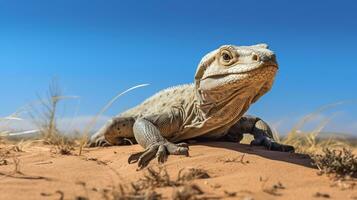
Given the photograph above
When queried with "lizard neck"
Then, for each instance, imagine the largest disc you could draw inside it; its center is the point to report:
(227, 109)
(225, 106)
(200, 118)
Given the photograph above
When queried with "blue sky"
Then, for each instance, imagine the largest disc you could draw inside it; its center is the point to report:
(99, 48)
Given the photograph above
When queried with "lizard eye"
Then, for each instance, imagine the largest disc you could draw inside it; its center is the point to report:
(226, 57)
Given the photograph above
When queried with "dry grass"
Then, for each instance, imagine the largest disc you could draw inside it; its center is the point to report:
(155, 179)
(4, 156)
(20, 146)
(152, 180)
(7, 152)
(341, 163)
(332, 156)
(44, 114)
(273, 190)
(186, 175)
(144, 188)
(160, 178)
(312, 142)
(63, 145)
(8, 157)
(188, 192)
(122, 192)
(239, 159)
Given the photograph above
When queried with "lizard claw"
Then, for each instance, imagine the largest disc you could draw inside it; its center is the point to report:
(133, 158)
(272, 145)
(161, 151)
(183, 144)
(99, 142)
(161, 154)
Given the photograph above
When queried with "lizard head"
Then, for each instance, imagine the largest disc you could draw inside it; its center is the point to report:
(248, 71)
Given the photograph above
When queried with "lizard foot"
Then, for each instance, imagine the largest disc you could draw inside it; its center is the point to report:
(272, 145)
(99, 142)
(161, 151)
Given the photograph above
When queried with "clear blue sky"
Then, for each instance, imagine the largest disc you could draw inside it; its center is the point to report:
(99, 48)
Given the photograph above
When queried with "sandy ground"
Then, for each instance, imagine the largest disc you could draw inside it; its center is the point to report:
(47, 175)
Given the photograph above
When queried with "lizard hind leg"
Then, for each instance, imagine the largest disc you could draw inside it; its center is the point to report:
(263, 136)
(117, 131)
(261, 131)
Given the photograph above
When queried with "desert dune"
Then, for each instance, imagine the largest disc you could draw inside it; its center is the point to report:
(236, 171)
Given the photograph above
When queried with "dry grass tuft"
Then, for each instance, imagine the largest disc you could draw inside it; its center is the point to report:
(160, 178)
(4, 155)
(239, 159)
(16, 170)
(63, 146)
(273, 190)
(188, 192)
(122, 192)
(312, 142)
(153, 179)
(45, 118)
(44, 114)
(341, 163)
(21, 146)
(333, 156)
(192, 174)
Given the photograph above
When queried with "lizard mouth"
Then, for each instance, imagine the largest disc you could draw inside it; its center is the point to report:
(245, 69)
(226, 83)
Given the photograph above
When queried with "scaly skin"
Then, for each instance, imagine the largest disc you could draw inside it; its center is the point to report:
(227, 81)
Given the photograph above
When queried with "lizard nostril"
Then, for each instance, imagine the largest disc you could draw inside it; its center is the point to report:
(255, 57)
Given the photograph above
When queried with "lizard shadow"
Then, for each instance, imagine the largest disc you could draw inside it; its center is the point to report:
(293, 158)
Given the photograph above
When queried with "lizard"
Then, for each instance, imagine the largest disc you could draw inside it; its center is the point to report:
(227, 81)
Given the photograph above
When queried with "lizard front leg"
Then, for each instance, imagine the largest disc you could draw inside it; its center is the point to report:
(261, 131)
(155, 145)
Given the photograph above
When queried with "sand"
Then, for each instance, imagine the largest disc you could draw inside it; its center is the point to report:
(43, 174)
